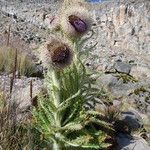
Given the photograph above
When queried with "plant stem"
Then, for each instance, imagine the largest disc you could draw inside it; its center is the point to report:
(56, 95)
(75, 46)
(56, 84)
(56, 146)
(8, 38)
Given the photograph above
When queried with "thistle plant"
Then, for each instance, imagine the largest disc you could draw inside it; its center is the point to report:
(62, 117)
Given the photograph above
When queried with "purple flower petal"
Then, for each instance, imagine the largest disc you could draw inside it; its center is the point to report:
(79, 25)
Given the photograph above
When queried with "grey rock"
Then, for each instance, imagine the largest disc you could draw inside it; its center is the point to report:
(122, 67)
(21, 95)
(140, 72)
(136, 93)
(126, 142)
(115, 85)
(37, 72)
(21, 90)
(132, 119)
(107, 80)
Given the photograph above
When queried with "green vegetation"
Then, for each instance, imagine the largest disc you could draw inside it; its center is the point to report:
(15, 133)
(66, 122)
(125, 77)
(142, 89)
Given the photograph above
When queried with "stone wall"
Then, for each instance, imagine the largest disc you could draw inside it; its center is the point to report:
(123, 34)
(125, 24)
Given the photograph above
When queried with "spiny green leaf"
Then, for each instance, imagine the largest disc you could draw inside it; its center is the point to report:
(67, 102)
(95, 113)
(72, 126)
(101, 122)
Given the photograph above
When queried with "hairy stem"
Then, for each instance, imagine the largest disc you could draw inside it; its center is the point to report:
(56, 146)
(56, 95)
(56, 84)
(76, 53)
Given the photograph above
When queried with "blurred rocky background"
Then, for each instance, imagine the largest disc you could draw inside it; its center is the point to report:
(122, 53)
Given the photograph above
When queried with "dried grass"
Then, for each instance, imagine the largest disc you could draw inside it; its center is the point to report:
(7, 58)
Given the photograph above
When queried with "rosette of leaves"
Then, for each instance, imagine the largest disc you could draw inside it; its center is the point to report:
(62, 118)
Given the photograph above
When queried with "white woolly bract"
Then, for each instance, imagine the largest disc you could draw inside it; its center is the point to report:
(52, 22)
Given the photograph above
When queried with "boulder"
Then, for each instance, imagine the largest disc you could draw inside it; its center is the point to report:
(21, 92)
(132, 119)
(126, 142)
(140, 72)
(122, 67)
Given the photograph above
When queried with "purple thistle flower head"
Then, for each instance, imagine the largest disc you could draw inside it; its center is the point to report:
(61, 55)
(75, 21)
(56, 54)
(79, 25)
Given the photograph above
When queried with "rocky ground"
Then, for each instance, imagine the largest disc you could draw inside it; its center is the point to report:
(122, 54)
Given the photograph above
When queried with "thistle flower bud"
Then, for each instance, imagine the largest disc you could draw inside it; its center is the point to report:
(75, 21)
(56, 54)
